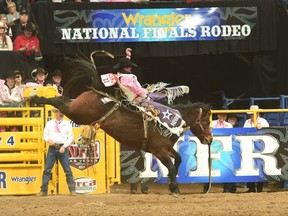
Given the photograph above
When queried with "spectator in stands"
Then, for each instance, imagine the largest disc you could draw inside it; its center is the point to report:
(39, 76)
(9, 97)
(20, 24)
(260, 123)
(222, 123)
(19, 85)
(4, 5)
(56, 81)
(3, 19)
(13, 13)
(8, 92)
(5, 40)
(27, 43)
(232, 118)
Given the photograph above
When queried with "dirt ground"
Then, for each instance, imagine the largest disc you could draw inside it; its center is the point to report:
(159, 201)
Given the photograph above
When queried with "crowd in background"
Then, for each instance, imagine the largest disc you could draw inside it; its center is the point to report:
(19, 34)
(14, 83)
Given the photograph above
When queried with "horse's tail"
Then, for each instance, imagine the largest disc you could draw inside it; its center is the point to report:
(82, 75)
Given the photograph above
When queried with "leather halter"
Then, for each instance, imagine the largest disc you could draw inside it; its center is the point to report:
(203, 132)
(198, 122)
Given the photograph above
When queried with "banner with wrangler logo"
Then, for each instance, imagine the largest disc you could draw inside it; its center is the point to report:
(161, 24)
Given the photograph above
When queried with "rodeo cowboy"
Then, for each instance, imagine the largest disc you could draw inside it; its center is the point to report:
(148, 101)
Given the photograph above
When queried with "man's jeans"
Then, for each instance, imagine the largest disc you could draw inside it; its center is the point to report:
(52, 156)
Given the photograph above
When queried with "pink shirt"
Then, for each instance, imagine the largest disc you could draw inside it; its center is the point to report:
(8, 96)
(63, 133)
(218, 124)
(130, 81)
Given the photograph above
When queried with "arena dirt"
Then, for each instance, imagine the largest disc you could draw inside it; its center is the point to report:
(159, 201)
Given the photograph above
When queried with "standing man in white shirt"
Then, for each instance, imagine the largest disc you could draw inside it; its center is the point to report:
(260, 122)
(58, 135)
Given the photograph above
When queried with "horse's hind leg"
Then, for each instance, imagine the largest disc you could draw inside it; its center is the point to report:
(172, 172)
(58, 102)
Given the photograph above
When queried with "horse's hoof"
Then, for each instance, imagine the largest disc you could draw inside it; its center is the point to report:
(176, 195)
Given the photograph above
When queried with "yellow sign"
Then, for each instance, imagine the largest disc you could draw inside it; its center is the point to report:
(87, 162)
(20, 181)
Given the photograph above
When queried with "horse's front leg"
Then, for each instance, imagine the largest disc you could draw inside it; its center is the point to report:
(172, 172)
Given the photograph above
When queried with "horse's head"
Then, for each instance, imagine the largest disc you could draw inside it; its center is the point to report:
(200, 124)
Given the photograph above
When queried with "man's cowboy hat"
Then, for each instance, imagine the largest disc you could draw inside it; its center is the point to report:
(55, 110)
(57, 72)
(253, 107)
(233, 115)
(19, 72)
(37, 71)
(124, 62)
(9, 74)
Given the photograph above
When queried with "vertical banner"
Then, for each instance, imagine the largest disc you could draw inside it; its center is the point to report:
(87, 160)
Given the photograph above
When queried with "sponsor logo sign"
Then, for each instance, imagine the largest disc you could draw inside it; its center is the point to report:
(84, 156)
(238, 155)
(85, 185)
(151, 24)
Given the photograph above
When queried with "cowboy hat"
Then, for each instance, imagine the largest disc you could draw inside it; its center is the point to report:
(9, 74)
(57, 72)
(55, 110)
(124, 62)
(252, 108)
(37, 71)
(233, 115)
(19, 72)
